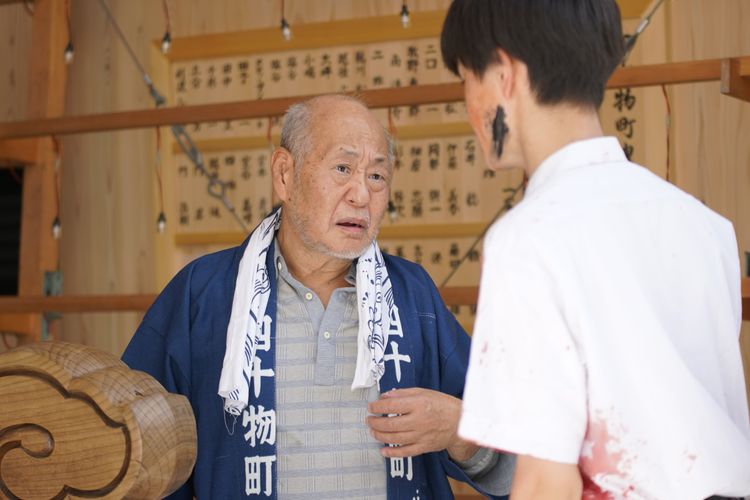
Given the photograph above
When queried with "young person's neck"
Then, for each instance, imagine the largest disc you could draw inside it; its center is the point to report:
(550, 128)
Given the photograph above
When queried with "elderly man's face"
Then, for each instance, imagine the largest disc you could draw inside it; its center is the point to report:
(340, 194)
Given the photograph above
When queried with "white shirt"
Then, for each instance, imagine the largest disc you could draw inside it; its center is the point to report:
(607, 332)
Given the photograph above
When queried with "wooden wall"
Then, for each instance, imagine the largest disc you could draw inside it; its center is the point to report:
(108, 187)
(712, 132)
(108, 183)
(15, 40)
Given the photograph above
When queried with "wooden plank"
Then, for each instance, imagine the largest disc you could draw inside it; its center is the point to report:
(141, 302)
(744, 70)
(635, 76)
(46, 98)
(668, 73)
(389, 232)
(76, 304)
(356, 31)
(15, 152)
(630, 9)
(459, 295)
(380, 98)
(16, 323)
(451, 295)
(431, 130)
(732, 81)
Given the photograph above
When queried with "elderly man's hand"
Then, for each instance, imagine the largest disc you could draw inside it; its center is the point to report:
(423, 421)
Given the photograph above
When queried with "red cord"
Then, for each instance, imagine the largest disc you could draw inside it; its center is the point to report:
(57, 146)
(668, 127)
(158, 170)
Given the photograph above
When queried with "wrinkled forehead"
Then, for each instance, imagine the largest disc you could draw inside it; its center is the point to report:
(346, 128)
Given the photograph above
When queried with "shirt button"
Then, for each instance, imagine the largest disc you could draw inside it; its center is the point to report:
(278, 264)
(326, 335)
(308, 296)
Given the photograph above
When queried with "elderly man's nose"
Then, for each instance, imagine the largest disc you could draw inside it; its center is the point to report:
(359, 194)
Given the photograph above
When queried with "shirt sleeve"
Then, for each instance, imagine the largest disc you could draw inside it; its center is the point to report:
(490, 470)
(526, 385)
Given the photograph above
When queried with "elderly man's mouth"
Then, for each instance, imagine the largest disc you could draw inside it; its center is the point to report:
(353, 225)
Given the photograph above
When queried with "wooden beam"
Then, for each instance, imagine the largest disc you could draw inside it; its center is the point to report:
(451, 295)
(428, 130)
(387, 232)
(76, 304)
(380, 98)
(141, 302)
(16, 323)
(668, 73)
(15, 152)
(305, 36)
(635, 76)
(348, 32)
(733, 82)
(459, 295)
(46, 99)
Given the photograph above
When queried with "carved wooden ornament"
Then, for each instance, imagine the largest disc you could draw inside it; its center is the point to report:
(76, 422)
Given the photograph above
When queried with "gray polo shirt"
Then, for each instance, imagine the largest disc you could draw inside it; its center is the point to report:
(324, 446)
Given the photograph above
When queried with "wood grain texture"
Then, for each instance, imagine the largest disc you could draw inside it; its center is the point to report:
(711, 130)
(634, 76)
(77, 423)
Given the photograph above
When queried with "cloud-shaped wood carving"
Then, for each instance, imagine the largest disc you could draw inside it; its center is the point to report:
(77, 422)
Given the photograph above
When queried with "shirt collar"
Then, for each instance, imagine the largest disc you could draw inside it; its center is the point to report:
(577, 154)
(283, 271)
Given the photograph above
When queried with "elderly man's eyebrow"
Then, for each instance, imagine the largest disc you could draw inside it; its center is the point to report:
(351, 152)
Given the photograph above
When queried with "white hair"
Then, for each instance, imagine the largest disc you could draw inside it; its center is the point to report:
(295, 133)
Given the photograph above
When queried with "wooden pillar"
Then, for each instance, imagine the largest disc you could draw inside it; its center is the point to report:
(46, 99)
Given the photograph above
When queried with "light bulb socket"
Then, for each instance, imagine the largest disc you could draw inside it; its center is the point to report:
(405, 16)
(69, 53)
(161, 223)
(166, 42)
(56, 228)
(286, 30)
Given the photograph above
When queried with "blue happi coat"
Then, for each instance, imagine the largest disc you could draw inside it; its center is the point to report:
(181, 342)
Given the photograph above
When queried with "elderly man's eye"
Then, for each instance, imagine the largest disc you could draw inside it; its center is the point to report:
(342, 168)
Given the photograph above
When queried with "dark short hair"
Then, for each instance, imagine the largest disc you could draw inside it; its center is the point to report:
(571, 47)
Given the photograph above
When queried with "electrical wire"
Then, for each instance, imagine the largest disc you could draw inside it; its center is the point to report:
(158, 170)
(216, 188)
(167, 20)
(57, 147)
(668, 129)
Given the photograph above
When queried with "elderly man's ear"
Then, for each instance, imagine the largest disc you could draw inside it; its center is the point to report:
(282, 173)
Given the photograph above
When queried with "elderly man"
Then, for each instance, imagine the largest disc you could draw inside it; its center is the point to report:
(305, 349)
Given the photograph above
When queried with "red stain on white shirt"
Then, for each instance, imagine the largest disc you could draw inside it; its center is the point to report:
(601, 455)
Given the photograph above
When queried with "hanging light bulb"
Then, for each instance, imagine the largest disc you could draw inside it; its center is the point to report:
(405, 18)
(56, 228)
(161, 223)
(69, 53)
(286, 30)
(166, 42)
